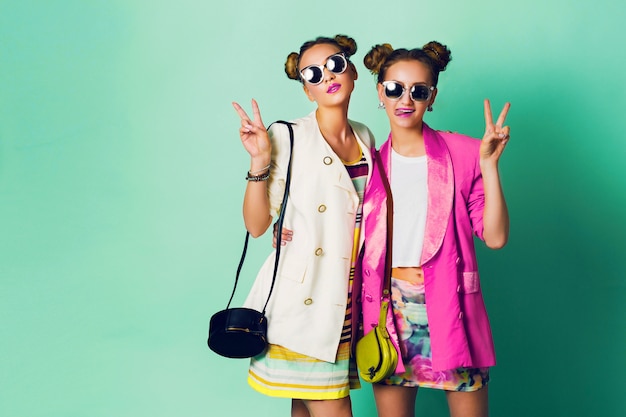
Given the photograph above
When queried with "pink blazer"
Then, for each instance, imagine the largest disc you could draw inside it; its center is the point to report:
(459, 326)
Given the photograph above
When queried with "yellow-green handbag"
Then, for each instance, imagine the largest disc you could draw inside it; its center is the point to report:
(376, 357)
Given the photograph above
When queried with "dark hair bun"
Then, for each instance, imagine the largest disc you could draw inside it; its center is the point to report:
(291, 66)
(440, 55)
(377, 56)
(347, 44)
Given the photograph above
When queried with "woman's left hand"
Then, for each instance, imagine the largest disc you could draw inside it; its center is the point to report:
(284, 237)
(496, 136)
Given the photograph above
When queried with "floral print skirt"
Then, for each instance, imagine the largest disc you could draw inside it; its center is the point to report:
(409, 307)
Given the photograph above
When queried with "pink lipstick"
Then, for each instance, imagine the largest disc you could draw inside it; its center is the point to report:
(333, 88)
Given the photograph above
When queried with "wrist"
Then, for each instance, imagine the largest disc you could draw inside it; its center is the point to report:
(260, 164)
(488, 165)
(263, 170)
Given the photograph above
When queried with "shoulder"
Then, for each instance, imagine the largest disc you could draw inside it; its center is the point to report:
(279, 130)
(460, 146)
(363, 132)
(458, 140)
(463, 150)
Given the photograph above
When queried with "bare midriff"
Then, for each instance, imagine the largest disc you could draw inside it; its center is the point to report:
(413, 274)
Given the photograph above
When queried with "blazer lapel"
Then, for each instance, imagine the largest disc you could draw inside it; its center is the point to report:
(440, 192)
(375, 213)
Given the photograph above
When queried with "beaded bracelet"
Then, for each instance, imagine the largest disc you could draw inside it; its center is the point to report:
(257, 178)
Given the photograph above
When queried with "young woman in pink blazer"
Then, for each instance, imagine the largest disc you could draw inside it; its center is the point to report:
(446, 188)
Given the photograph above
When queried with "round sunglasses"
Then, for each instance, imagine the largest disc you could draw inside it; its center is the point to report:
(314, 74)
(418, 92)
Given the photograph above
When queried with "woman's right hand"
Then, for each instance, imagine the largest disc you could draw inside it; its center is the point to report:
(254, 136)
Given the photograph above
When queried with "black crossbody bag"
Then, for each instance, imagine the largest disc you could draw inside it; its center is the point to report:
(241, 332)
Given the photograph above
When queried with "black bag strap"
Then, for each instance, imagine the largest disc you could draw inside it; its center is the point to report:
(281, 218)
(383, 177)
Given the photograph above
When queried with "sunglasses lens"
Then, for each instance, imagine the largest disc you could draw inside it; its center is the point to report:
(393, 90)
(312, 75)
(337, 64)
(420, 93)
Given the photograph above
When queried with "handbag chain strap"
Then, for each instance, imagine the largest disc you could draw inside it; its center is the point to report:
(281, 218)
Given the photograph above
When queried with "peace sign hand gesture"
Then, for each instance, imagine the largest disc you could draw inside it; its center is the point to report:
(496, 136)
(254, 136)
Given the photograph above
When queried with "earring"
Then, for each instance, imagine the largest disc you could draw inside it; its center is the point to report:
(381, 105)
(430, 107)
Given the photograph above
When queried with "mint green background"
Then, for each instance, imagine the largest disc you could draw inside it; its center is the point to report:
(121, 180)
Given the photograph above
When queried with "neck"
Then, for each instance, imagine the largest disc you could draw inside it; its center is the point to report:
(334, 127)
(408, 141)
(333, 123)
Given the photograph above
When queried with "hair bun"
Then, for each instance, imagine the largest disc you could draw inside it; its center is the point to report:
(376, 57)
(347, 44)
(439, 53)
(291, 66)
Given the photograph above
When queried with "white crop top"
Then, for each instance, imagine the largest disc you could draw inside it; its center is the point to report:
(409, 187)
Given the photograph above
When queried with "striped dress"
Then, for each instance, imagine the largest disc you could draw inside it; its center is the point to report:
(280, 372)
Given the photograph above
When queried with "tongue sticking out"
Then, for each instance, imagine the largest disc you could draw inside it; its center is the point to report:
(402, 112)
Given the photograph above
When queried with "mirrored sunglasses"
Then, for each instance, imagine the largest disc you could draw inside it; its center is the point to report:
(418, 92)
(314, 74)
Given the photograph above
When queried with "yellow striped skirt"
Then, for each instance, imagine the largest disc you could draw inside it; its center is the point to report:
(279, 372)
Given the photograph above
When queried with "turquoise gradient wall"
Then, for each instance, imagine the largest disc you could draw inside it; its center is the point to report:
(121, 180)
